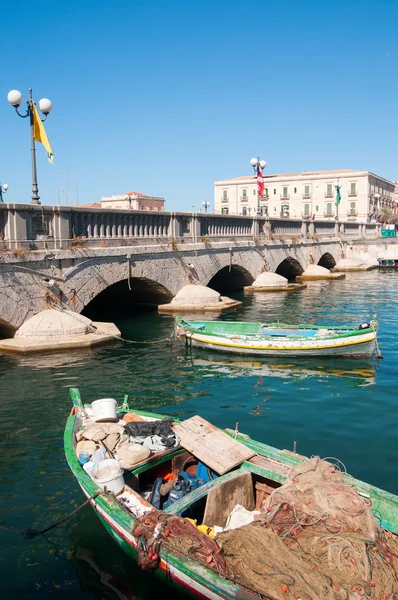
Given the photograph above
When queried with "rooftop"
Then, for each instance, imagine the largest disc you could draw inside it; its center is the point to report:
(265, 176)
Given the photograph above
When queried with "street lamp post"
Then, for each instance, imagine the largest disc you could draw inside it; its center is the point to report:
(338, 197)
(3, 189)
(258, 165)
(15, 98)
(206, 205)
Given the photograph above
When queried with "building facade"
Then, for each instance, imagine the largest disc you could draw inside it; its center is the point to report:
(133, 201)
(310, 195)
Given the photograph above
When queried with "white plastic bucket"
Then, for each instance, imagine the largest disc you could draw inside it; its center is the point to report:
(108, 473)
(104, 409)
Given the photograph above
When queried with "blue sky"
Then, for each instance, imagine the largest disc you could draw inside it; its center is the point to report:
(165, 98)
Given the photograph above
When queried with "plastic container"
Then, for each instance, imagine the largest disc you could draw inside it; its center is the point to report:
(104, 410)
(108, 474)
(83, 458)
(132, 454)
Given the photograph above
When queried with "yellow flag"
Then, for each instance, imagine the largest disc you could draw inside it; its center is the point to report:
(40, 134)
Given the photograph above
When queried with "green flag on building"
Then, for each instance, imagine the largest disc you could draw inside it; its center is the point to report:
(338, 196)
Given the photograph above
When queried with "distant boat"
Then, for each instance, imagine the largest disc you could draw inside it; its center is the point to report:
(388, 261)
(279, 339)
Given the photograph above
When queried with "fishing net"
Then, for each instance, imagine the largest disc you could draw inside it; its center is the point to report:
(177, 535)
(315, 538)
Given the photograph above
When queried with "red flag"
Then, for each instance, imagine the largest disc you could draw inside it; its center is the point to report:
(260, 183)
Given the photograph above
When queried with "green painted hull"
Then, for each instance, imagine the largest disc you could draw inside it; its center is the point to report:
(182, 572)
(278, 339)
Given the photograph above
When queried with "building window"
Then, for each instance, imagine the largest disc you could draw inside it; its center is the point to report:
(264, 210)
(274, 191)
(225, 195)
(284, 193)
(353, 208)
(353, 189)
(265, 192)
(244, 194)
(284, 210)
(295, 190)
(224, 210)
(244, 210)
(306, 209)
(306, 191)
(329, 208)
(329, 190)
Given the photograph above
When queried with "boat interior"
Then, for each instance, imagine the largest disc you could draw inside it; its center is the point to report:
(180, 483)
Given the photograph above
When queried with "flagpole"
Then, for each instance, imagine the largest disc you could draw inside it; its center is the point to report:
(15, 98)
(258, 165)
(35, 187)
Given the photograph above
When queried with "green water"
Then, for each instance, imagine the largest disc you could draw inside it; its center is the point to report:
(342, 408)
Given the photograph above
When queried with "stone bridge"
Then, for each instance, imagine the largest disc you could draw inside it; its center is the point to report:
(90, 257)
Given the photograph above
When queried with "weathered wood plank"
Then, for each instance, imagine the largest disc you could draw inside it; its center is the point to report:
(270, 465)
(212, 446)
(222, 499)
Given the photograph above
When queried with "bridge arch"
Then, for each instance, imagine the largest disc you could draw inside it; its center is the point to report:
(126, 294)
(289, 268)
(327, 260)
(6, 329)
(230, 278)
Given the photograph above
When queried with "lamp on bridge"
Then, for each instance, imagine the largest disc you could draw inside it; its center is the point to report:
(206, 205)
(37, 131)
(338, 197)
(3, 189)
(258, 165)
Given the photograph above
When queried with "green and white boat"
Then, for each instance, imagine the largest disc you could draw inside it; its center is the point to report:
(279, 339)
(235, 470)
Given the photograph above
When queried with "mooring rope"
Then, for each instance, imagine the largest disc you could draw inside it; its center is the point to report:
(30, 533)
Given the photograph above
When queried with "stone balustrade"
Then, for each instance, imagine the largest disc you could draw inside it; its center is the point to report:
(25, 226)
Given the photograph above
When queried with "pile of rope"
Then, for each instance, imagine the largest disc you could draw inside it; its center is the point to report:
(176, 535)
(315, 538)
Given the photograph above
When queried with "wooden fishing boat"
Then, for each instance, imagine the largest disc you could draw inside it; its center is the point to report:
(216, 471)
(279, 339)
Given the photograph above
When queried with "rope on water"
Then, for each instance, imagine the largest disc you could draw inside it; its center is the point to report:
(30, 533)
(378, 354)
(57, 305)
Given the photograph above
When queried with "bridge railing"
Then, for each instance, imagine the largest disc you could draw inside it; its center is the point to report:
(24, 226)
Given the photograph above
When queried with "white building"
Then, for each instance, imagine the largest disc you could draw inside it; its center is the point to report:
(133, 201)
(310, 194)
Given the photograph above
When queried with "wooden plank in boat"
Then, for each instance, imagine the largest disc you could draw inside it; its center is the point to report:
(222, 499)
(213, 447)
(269, 464)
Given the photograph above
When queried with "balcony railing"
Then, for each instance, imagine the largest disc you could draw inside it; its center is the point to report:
(328, 214)
(328, 195)
(352, 213)
(351, 194)
(266, 197)
(306, 196)
(244, 199)
(224, 199)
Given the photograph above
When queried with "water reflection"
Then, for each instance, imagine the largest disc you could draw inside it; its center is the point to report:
(357, 373)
